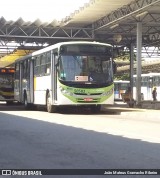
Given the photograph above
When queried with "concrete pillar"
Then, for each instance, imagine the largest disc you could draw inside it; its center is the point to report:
(139, 49)
(131, 66)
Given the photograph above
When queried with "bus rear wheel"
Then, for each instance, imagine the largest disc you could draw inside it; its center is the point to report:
(50, 107)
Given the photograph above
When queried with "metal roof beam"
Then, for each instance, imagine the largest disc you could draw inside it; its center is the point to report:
(46, 33)
(125, 12)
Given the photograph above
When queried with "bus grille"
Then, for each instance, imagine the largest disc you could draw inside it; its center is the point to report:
(88, 94)
(82, 100)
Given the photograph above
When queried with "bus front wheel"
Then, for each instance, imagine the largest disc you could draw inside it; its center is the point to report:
(50, 107)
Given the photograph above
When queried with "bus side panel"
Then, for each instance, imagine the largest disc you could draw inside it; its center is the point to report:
(41, 85)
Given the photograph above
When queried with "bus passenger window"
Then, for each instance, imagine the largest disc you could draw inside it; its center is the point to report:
(48, 63)
(37, 66)
(48, 68)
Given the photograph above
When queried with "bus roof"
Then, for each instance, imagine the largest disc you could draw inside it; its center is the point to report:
(69, 42)
(57, 45)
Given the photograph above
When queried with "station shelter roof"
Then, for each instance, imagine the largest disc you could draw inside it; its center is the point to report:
(9, 59)
(109, 21)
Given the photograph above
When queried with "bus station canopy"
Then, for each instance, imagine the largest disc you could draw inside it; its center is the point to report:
(109, 21)
(9, 59)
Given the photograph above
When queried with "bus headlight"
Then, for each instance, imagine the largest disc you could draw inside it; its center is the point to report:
(65, 92)
(107, 93)
(104, 94)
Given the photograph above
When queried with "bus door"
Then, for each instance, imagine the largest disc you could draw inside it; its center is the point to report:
(20, 82)
(24, 80)
(54, 77)
(17, 82)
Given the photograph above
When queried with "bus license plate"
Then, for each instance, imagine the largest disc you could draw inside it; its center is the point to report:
(88, 99)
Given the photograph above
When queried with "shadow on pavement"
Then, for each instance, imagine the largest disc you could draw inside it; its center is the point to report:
(115, 109)
(28, 143)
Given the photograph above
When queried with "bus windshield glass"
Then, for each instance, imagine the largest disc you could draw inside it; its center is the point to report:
(6, 84)
(85, 68)
(6, 81)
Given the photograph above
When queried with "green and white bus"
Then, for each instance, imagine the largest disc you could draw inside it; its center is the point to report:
(75, 73)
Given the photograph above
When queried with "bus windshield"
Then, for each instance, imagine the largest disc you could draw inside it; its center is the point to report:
(7, 84)
(92, 69)
(6, 81)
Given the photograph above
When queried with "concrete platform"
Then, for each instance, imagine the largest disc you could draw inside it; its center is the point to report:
(150, 104)
(147, 104)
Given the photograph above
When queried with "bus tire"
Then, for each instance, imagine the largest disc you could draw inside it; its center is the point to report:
(50, 107)
(95, 108)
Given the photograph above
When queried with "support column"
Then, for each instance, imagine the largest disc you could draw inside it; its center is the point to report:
(131, 66)
(139, 49)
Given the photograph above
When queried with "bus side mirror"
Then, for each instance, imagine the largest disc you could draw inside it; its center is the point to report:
(114, 67)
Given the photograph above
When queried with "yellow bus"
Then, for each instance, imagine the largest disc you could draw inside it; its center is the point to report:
(7, 84)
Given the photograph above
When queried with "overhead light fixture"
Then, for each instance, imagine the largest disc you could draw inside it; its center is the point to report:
(142, 14)
(114, 26)
(117, 38)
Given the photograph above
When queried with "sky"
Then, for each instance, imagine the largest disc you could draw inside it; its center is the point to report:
(45, 10)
